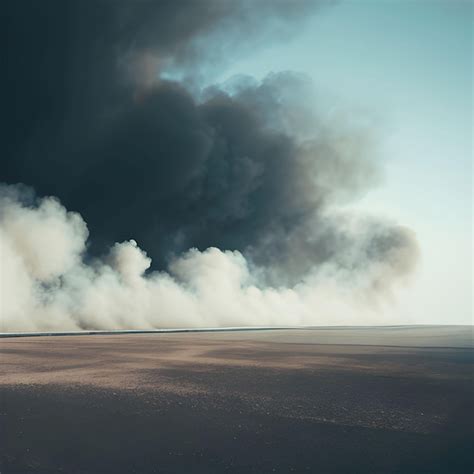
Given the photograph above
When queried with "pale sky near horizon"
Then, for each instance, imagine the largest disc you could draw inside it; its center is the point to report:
(409, 65)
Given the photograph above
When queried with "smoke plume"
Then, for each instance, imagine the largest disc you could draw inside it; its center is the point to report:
(235, 190)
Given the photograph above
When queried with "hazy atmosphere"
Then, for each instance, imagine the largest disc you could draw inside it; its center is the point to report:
(202, 164)
(236, 237)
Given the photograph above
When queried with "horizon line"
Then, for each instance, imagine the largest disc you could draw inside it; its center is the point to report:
(106, 332)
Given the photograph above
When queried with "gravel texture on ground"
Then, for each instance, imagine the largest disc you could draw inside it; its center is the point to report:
(282, 401)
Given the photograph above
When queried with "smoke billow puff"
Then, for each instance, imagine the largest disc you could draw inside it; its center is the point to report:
(47, 285)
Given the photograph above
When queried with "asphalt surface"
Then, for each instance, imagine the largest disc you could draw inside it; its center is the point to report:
(319, 401)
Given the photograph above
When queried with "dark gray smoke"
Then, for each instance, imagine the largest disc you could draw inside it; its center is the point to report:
(248, 166)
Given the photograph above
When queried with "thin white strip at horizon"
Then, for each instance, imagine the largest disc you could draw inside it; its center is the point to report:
(144, 331)
(218, 329)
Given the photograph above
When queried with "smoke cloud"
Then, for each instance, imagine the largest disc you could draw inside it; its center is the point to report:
(236, 191)
(47, 285)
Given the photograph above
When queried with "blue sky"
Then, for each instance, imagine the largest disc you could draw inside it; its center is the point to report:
(408, 64)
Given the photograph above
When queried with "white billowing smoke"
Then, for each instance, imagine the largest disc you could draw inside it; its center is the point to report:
(45, 283)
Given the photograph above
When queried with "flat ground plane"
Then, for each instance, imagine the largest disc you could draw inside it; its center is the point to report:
(306, 401)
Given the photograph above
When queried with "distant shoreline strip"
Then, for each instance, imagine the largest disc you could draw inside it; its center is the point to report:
(223, 329)
(142, 331)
